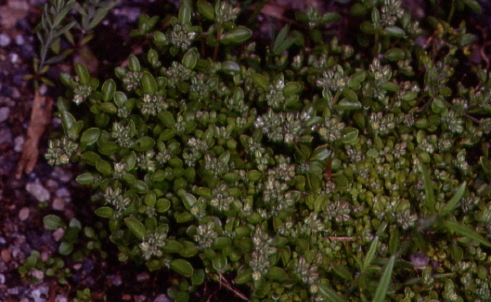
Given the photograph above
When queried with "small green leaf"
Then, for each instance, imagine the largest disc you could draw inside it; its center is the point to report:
(243, 276)
(75, 129)
(90, 136)
(394, 54)
(136, 227)
(219, 262)
(277, 274)
(350, 135)
(221, 242)
(182, 267)
(384, 282)
(185, 12)
(149, 84)
(53, 222)
(429, 194)
(188, 199)
(346, 104)
(140, 186)
(321, 153)
(190, 58)
(162, 205)
(103, 167)
(463, 230)
(282, 41)
(120, 98)
(474, 5)
(370, 254)
(104, 212)
(143, 144)
(67, 120)
(390, 86)
(83, 74)
(65, 248)
(108, 90)
(172, 246)
(292, 88)
(133, 63)
(86, 178)
(236, 35)
(230, 67)
(198, 278)
(450, 206)
(330, 294)
(188, 250)
(206, 9)
(394, 31)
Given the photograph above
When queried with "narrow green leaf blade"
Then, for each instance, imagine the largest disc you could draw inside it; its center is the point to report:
(370, 254)
(430, 196)
(452, 204)
(463, 230)
(330, 294)
(384, 283)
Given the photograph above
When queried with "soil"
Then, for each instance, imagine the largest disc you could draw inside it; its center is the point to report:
(47, 190)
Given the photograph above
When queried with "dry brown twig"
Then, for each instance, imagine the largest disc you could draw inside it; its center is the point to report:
(40, 119)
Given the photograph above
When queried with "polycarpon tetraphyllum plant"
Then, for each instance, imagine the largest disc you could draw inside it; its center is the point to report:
(305, 170)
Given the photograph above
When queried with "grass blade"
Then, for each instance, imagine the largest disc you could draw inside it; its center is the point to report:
(465, 231)
(370, 254)
(429, 194)
(383, 286)
(330, 294)
(452, 204)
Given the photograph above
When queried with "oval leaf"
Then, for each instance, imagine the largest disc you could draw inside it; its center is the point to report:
(90, 136)
(149, 84)
(136, 227)
(52, 222)
(182, 267)
(236, 35)
(108, 90)
(143, 144)
(104, 212)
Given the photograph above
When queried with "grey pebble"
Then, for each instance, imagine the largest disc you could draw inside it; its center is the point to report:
(14, 58)
(5, 135)
(39, 293)
(38, 274)
(58, 234)
(142, 277)
(58, 204)
(116, 279)
(38, 191)
(19, 143)
(60, 298)
(162, 298)
(24, 213)
(19, 40)
(4, 40)
(4, 113)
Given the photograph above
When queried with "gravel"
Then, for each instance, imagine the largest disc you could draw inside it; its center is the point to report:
(38, 191)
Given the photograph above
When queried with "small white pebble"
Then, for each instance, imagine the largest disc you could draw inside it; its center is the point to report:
(18, 143)
(58, 234)
(4, 40)
(38, 274)
(19, 40)
(24, 213)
